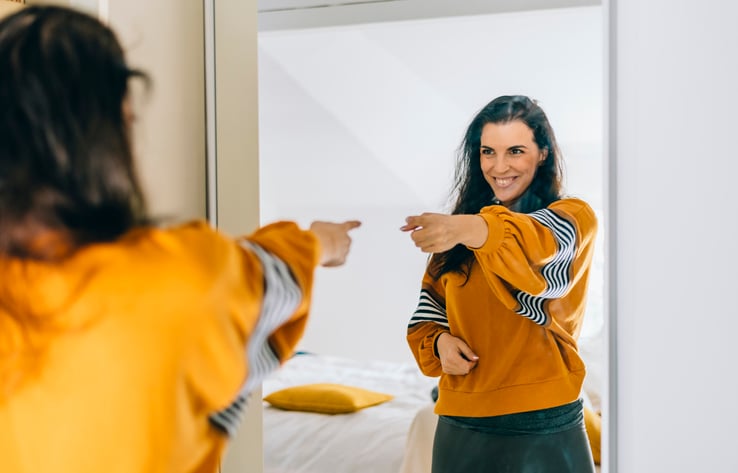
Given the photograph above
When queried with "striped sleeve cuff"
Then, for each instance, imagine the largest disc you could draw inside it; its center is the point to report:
(282, 296)
(556, 272)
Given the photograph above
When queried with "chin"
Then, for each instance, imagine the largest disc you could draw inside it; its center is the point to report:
(506, 198)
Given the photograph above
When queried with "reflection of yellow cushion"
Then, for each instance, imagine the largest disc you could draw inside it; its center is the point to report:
(325, 398)
(593, 423)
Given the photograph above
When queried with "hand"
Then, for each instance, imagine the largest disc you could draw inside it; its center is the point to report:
(456, 356)
(334, 240)
(436, 233)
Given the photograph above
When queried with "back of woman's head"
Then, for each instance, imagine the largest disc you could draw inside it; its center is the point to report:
(66, 165)
(473, 190)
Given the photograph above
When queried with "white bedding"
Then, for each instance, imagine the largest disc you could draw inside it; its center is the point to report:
(375, 439)
(371, 440)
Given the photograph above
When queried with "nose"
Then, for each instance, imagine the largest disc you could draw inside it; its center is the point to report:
(500, 164)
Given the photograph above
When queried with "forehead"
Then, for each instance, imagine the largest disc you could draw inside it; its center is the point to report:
(512, 133)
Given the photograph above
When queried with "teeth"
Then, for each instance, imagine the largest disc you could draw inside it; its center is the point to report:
(504, 182)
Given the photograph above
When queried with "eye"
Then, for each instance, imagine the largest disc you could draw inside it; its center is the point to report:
(487, 151)
(516, 151)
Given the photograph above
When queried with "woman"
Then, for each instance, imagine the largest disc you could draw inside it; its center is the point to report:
(502, 302)
(124, 346)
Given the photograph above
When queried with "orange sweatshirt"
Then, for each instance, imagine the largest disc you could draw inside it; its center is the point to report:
(520, 311)
(138, 346)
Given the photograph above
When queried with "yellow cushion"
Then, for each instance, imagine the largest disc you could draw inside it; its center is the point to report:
(325, 398)
(593, 423)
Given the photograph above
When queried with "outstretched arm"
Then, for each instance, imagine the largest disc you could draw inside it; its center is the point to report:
(436, 233)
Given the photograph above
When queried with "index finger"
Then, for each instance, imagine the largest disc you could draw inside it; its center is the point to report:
(413, 220)
(351, 224)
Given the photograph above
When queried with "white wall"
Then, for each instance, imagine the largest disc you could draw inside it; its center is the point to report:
(675, 235)
(165, 39)
(362, 121)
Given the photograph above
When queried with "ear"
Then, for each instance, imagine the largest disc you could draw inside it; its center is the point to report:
(544, 155)
(129, 116)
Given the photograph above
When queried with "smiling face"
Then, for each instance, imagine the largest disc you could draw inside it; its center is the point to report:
(509, 157)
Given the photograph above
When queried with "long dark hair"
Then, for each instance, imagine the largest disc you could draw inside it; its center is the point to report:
(67, 176)
(66, 164)
(473, 192)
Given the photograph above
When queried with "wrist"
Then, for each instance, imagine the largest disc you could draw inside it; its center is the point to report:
(328, 253)
(435, 344)
(474, 231)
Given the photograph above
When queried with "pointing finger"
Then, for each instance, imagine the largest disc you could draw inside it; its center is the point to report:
(351, 224)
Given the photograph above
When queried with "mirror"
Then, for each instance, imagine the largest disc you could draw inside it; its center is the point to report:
(361, 108)
(362, 121)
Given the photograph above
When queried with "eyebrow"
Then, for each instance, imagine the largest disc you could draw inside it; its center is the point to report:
(509, 147)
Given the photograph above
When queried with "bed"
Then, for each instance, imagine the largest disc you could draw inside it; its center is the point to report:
(370, 440)
(395, 436)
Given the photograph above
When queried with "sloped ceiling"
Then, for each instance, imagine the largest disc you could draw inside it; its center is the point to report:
(298, 14)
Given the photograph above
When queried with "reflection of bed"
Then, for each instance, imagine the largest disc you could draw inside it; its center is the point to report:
(393, 437)
(371, 440)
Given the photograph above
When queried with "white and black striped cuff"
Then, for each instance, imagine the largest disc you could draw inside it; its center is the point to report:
(282, 295)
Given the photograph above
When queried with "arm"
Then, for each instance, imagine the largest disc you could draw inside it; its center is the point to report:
(428, 322)
(332, 246)
(282, 258)
(422, 340)
(436, 233)
(435, 350)
(527, 259)
(537, 253)
(533, 262)
(512, 246)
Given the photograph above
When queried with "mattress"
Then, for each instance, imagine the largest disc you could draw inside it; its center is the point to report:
(371, 440)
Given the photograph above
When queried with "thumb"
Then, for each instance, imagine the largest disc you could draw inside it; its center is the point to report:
(467, 352)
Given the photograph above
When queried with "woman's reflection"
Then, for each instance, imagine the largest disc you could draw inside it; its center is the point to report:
(502, 301)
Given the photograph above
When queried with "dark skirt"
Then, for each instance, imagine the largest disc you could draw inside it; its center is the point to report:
(546, 441)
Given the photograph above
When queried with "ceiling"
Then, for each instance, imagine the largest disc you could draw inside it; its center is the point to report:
(300, 14)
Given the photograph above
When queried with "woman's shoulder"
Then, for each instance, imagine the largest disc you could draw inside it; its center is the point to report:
(190, 236)
(577, 211)
(573, 206)
(186, 247)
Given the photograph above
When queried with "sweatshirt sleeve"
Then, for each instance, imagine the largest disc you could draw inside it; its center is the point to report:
(428, 322)
(530, 258)
(259, 291)
(288, 264)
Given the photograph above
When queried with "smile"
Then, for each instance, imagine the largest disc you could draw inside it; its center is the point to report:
(504, 181)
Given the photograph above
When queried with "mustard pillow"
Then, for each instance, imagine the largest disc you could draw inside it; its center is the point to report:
(593, 423)
(325, 398)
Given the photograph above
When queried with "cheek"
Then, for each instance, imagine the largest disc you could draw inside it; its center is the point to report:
(531, 167)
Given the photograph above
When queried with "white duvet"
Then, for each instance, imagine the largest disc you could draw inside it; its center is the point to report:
(371, 440)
